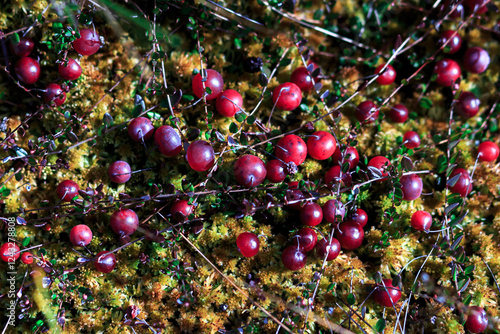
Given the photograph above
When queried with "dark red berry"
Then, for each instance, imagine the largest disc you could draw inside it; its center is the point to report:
(305, 239)
(458, 9)
(80, 235)
(124, 222)
(350, 235)
(24, 47)
(27, 70)
(476, 60)
(71, 71)
(411, 140)
(386, 294)
(454, 43)
(479, 6)
(291, 148)
(67, 190)
(467, 105)
(287, 96)
(88, 43)
(9, 252)
(333, 176)
(295, 196)
(248, 244)
(105, 262)
(302, 79)
(249, 171)
(381, 163)
(200, 156)
(488, 151)
(332, 209)
(411, 185)
(421, 220)
(293, 258)
(332, 249)
(229, 103)
(349, 155)
(276, 171)
(54, 93)
(214, 81)
(119, 172)
(367, 112)
(359, 216)
(398, 114)
(447, 71)
(168, 140)
(140, 129)
(387, 77)
(321, 145)
(477, 319)
(181, 210)
(311, 214)
(27, 258)
(463, 186)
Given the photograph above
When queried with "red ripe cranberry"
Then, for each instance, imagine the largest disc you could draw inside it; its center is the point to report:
(80, 235)
(249, 171)
(24, 47)
(54, 93)
(200, 156)
(381, 163)
(332, 209)
(229, 103)
(359, 217)
(467, 105)
(302, 79)
(386, 296)
(295, 196)
(333, 176)
(291, 148)
(411, 185)
(477, 319)
(479, 6)
(367, 112)
(248, 244)
(105, 263)
(387, 77)
(411, 140)
(88, 43)
(350, 155)
(181, 210)
(66, 190)
(447, 71)
(476, 60)
(124, 222)
(332, 248)
(71, 71)
(9, 252)
(119, 172)
(27, 70)
(464, 184)
(306, 239)
(168, 140)
(350, 235)
(321, 145)
(287, 96)
(398, 114)
(457, 12)
(27, 258)
(214, 81)
(140, 129)
(488, 151)
(421, 220)
(276, 171)
(454, 43)
(293, 258)
(311, 214)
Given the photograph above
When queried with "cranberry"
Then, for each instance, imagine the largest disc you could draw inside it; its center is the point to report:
(214, 81)
(88, 43)
(411, 185)
(488, 151)
(229, 103)
(119, 172)
(350, 155)
(476, 60)
(479, 6)
(249, 171)
(387, 77)
(467, 105)
(477, 319)
(168, 140)
(421, 220)
(333, 176)
(200, 155)
(321, 145)
(381, 163)
(464, 184)
(447, 72)
(9, 252)
(350, 235)
(71, 71)
(291, 148)
(287, 96)
(311, 214)
(67, 190)
(454, 43)
(80, 235)
(359, 217)
(305, 239)
(54, 93)
(181, 210)
(140, 129)
(27, 258)
(27, 70)
(293, 258)
(248, 244)
(24, 47)
(332, 209)
(276, 171)
(124, 222)
(302, 79)
(411, 140)
(398, 114)
(367, 112)
(105, 262)
(332, 248)
(386, 296)
(295, 196)
(458, 12)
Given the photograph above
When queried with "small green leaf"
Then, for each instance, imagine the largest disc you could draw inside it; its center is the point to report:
(351, 299)
(380, 325)
(237, 43)
(188, 97)
(15, 38)
(240, 117)
(251, 119)
(233, 128)
(26, 241)
(425, 103)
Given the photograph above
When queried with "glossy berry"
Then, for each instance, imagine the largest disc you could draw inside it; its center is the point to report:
(421, 220)
(488, 151)
(454, 43)
(54, 94)
(349, 155)
(359, 216)
(27, 258)
(80, 235)
(332, 209)
(479, 6)
(332, 248)
(457, 12)
(311, 214)
(249, 171)
(333, 175)
(27, 70)
(302, 79)
(305, 239)
(168, 140)
(411, 140)
(386, 296)
(350, 235)
(200, 155)
(398, 113)
(140, 129)
(105, 263)
(476, 60)
(181, 210)
(88, 43)
(477, 319)
(467, 105)
(119, 172)
(463, 186)
(287, 96)
(411, 185)
(388, 77)
(228, 103)
(367, 112)
(70, 71)
(291, 148)
(124, 222)
(293, 258)
(447, 71)
(382, 164)
(9, 252)
(67, 190)
(276, 171)
(214, 81)
(321, 145)
(295, 196)
(24, 47)
(248, 244)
